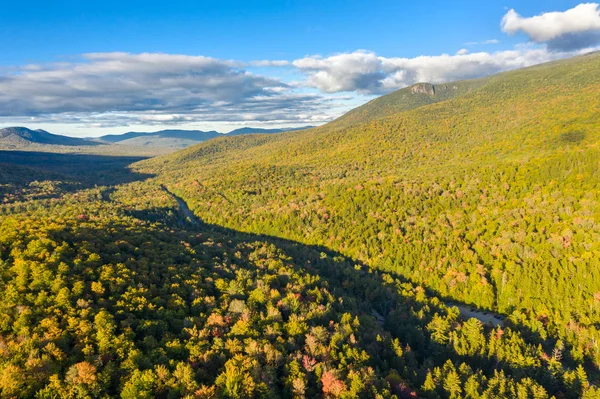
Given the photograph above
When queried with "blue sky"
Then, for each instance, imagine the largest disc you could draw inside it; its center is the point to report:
(268, 63)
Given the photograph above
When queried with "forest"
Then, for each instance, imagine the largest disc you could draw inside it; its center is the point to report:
(320, 263)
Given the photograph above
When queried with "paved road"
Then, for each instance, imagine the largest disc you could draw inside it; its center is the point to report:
(483, 316)
(189, 215)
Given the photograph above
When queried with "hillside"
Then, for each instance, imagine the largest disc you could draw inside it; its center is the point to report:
(21, 136)
(487, 196)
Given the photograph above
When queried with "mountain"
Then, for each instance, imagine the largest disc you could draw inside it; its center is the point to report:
(21, 136)
(174, 139)
(194, 135)
(423, 94)
(412, 97)
(181, 138)
(484, 193)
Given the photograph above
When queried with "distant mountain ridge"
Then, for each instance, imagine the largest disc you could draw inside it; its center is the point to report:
(22, 136)
(19, 137)
(197, 135)
(194, 135)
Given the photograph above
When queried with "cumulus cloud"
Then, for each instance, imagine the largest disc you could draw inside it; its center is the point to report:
(128, 82)
(161, 88)
(576, 28)
(462, 51)
(358, 71)
(365, 72)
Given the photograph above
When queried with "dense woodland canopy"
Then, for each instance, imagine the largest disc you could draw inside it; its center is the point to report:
(323, 263)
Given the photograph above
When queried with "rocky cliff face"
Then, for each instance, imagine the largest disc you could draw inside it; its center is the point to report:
(423, 88)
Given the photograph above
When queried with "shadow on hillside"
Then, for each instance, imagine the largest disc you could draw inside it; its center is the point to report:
(89, 170)
(389, 300)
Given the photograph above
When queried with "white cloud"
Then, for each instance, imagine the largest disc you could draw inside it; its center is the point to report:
(151, 87)
(269, 63)
(128, 82)
(575, 28)
(365, 72)
(491, 41)
(358, 71)
(462, 51)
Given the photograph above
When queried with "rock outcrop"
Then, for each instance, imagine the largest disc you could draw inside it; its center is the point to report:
(423, 88)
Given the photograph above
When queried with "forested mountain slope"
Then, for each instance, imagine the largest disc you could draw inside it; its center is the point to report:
(489, 197)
